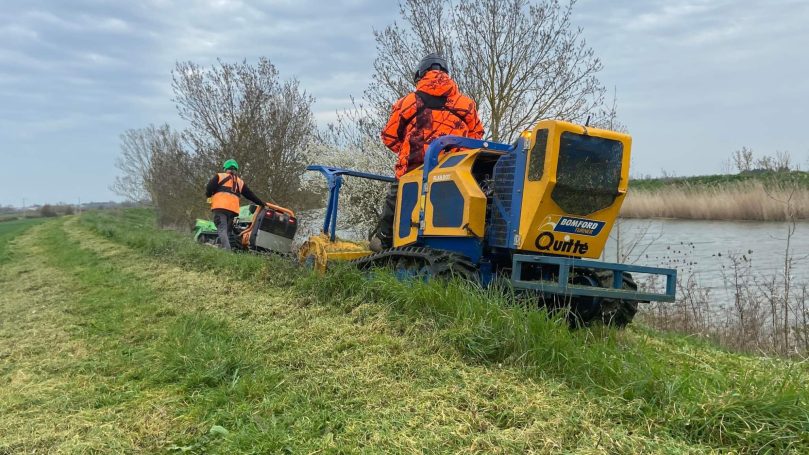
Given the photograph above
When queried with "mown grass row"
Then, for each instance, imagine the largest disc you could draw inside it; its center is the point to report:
(691, 392)
(149, 376)
(10, 229)
(142, 348)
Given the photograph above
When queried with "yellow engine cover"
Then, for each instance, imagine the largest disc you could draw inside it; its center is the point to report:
(454, 206)
(548, 228)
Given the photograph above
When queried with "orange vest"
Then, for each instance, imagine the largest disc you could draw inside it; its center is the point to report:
(228, 193)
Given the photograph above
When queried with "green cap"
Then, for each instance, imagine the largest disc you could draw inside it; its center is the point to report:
(231, 163)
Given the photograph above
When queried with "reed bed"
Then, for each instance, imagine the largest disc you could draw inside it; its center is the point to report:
(748, 201)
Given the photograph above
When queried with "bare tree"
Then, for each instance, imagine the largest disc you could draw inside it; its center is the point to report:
(246, 112)
(175, 179)
(47, 210)
(521, 60)
(234, 111)
(765, 163)
(137, 148)
(156, 168)
(782, 161)
(353, 142)
(743, 159)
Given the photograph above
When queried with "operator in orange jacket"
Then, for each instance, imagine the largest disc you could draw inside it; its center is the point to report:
(436, 108)
(225, 189)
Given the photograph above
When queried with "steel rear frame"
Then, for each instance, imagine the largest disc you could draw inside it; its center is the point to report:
(559, 283)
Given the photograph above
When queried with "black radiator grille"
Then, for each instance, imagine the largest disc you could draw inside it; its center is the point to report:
(503, 191)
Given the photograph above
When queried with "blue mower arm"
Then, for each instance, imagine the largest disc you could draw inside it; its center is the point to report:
(334, 177)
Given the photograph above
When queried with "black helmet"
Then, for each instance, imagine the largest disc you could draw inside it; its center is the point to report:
(433, 61)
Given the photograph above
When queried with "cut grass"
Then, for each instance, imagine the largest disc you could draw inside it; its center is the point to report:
(11, 229)
(240, 353)
(697, 394)
(59, 391)
(175, 359)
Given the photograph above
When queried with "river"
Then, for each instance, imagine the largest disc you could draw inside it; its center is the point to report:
(696, 248)
(702, 248)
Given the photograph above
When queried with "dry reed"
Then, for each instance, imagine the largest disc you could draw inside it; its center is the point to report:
(768, 314)
(745, 201)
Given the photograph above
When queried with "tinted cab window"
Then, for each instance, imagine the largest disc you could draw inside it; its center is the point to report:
(588, 173)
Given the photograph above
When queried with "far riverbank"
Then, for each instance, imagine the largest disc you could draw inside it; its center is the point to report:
(771, 196)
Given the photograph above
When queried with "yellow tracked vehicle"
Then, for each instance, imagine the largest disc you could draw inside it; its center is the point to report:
(534, 213)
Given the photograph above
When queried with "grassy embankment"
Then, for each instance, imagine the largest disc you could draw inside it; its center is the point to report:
(748, 196)
(117, 337)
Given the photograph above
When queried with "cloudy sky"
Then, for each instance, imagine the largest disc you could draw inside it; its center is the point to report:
(695, 79)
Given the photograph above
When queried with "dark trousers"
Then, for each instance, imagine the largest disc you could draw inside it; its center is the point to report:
(223, 219)
(385, 228)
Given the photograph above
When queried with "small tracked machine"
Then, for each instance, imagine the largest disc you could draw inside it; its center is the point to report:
(535, 214)
(269, 229)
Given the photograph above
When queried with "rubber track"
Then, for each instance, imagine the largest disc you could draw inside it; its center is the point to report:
(441, 263)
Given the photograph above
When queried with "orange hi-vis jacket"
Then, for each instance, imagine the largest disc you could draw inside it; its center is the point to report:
(435, 109)
(228, 193)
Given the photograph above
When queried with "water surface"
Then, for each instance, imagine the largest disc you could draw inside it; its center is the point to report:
(704, 247)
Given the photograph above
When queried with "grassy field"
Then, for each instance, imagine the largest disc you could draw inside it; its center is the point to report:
(116, 337)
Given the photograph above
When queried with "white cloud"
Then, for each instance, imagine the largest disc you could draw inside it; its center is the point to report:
(669, 14)
(692, 73)
(110, 24)
(73, 75)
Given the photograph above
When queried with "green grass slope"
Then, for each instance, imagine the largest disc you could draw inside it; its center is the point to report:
(116, 337)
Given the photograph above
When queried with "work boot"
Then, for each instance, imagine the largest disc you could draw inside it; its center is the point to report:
(379, 242)
(375, 244)
(383, 237)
